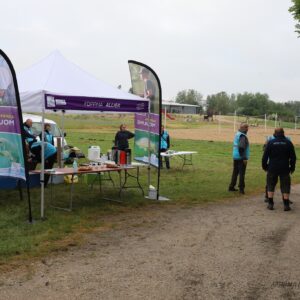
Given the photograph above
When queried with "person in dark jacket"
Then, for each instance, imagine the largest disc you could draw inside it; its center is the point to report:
(241, 152)
(164, 146)
(279, 160)
(122, 137)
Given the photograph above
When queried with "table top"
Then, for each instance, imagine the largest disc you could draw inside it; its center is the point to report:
(178, 153)
(94, 169)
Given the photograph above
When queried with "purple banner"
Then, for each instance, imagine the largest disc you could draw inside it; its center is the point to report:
(141, 122)
(9, 120)
(94, 104)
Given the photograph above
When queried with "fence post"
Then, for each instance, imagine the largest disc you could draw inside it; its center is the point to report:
(219, 123)
(265, 122)
(234, 121)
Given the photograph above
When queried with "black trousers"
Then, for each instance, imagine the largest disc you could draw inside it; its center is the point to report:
(167, 160)
(239, 169)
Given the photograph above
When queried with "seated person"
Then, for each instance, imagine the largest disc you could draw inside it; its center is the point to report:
(48, 136)
(35, 147)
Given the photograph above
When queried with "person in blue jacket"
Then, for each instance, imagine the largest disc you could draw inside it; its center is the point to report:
(164, 146)
(241, 152)
(48, 136)
(35, 147)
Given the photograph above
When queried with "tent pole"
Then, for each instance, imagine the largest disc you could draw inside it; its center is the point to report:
(42, 177)
(149, 154)
(61, 163)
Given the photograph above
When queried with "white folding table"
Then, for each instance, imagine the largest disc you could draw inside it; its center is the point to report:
(186, 156)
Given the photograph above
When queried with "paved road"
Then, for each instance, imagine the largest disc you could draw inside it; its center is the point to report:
(232, 250)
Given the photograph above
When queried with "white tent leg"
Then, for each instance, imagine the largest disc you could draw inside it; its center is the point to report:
(42, 177)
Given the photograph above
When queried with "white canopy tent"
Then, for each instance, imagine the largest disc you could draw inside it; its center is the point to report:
(57, 75)
(57, 80)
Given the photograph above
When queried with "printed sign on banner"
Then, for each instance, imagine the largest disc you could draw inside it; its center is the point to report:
(146, 85)
(147, 128)
(11, 148)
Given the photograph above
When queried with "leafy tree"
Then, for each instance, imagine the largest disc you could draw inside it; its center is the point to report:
(295, 11)
(189, 97)
(252, 104)
(220, 103)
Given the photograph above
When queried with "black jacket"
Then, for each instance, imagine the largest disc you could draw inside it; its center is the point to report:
(243, 144)
(121, 139)
(279, 156)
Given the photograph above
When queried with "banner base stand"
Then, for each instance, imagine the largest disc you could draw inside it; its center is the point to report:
(160, 198)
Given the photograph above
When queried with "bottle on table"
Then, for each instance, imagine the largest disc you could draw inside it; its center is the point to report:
(75, 165)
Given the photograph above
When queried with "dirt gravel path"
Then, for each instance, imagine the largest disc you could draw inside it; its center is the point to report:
(232, 250)
(257, 135)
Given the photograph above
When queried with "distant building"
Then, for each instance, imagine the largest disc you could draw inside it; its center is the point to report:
(178, 108)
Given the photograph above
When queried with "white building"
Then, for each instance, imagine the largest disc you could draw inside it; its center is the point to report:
(178, 108)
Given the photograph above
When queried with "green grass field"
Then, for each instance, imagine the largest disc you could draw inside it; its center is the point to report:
(206, 181)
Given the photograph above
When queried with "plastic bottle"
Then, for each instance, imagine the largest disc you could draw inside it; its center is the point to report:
(75, 165)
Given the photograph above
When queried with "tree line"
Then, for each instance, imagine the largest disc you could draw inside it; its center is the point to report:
(295, 11)
(250, 104)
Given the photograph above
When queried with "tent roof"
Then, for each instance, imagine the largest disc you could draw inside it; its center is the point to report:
(57, 75)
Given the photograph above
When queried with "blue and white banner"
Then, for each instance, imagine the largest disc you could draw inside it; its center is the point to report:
(12, 162)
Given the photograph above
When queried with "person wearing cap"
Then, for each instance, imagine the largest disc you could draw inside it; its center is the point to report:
(149, 88)
(279, 160)
(241, 152)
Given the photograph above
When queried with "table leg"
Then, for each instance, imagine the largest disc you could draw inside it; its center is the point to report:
(127, 175)
(187, 161)
(51, 188)
(100, 183)
(71, 195)
(72, 189)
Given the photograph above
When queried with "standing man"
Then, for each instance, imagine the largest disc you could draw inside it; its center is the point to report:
(279, 160)
(164, 146)
(122, 137)
(241, 151)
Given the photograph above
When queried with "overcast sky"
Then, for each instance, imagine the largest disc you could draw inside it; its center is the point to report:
(207, 45)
